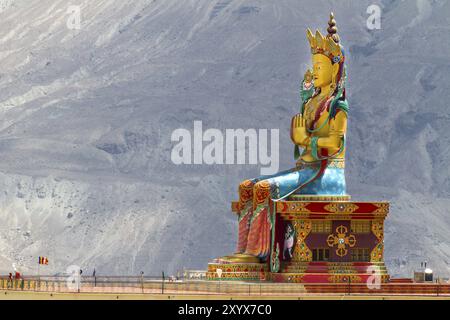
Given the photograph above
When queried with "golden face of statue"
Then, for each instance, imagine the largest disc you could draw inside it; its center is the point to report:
(324, 72)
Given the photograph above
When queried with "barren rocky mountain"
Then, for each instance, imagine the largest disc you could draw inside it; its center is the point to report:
(86, 117)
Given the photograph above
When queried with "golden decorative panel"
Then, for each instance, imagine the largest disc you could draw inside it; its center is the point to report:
(321, 226)
(341, 240)
(377, 253)
(383, 208)
(237, 267)
(378, 229)
(341, 207)
(297, 206)
(338, 278)
(301, 251)
(360, 226)
(320, 198)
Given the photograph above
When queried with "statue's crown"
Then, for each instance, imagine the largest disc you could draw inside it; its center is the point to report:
(327, 45)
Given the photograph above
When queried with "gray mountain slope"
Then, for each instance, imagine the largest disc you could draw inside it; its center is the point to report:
(86, 118)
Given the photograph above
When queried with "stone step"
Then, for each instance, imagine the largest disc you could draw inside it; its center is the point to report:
(330, 267)
(328, 270)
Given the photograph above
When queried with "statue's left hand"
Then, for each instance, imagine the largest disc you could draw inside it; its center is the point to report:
(299, 135)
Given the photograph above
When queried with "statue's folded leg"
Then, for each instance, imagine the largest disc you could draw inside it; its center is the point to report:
(259, 233)
(246, 208)
(245, 213)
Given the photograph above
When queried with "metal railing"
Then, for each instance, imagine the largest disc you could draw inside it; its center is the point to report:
(156, 285)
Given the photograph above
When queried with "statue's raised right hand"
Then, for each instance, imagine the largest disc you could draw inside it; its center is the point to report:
(299, 135)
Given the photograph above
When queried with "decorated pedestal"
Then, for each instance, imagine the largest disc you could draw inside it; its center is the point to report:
(318, 239)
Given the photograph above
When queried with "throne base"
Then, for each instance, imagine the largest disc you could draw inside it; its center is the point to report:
(238, 271)
(336, 241)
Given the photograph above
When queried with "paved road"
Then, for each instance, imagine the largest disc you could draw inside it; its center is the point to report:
(27, 295)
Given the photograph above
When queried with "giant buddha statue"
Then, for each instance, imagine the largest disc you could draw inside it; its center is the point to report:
(318, 130)
(300, 225)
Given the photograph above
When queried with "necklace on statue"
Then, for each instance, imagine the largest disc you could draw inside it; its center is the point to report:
(312, 107)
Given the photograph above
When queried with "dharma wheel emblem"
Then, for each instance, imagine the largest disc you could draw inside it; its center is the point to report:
(341, 240)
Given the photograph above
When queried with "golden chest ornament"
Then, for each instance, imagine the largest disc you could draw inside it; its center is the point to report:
(311, 109)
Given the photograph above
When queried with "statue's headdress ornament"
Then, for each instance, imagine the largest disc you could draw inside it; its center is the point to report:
(327, 45)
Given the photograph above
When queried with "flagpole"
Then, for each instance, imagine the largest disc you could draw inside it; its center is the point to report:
(39, 277)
